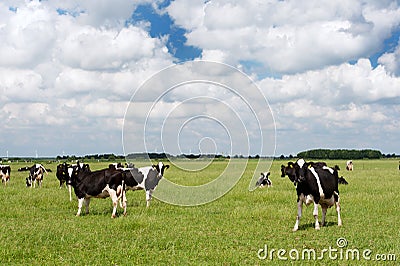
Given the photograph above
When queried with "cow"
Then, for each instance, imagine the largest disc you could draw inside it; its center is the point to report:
(342, 181)
(36, 173)
(5, 171)
(318, 185)
(144, 178)
(264, 180)
(115, 165)
(62, 173)
(349, 165)
(98, 184)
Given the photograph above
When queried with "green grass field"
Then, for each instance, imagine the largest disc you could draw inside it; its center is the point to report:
(39, 227)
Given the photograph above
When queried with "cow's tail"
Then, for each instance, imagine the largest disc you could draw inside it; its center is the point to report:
(123, 196)
(336, 196)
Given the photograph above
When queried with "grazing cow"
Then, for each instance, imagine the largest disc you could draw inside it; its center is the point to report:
(342, 181)
(264, 180)
(98, 184)
(314, 185)
(349, 165)
(5, 171)
(145, 178)
(36, 173)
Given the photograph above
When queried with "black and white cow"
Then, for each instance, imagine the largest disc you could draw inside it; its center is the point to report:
(342, 181)
(144, 178)
(318, 185)
(25, 168)
(264, 180)
(36, 173)
(98, 184)
(62, 173)
(5, 171)
(349, 165)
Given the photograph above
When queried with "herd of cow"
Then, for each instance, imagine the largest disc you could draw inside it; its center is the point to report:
(110, 182)
(315, 183)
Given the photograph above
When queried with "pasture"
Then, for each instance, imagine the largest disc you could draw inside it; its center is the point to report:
(39, 227)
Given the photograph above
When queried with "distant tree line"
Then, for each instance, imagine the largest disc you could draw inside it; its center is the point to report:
(101, 157)
(340, 154)
(310, 154)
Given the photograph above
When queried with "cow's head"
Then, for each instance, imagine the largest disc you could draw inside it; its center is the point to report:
(301, 168)
(160, 168)
(73, 172)
(62, 169)
(289, 170)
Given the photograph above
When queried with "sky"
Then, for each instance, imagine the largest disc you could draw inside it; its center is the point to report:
(73, 72)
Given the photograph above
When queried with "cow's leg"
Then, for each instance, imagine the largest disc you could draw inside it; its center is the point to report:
(148, 197)
(114, 198)
(80, 203)
(70, 194)
(315, 213)
(339, 222)
(87, 202)
(324, 209)
(124, 201)
(299, 213)
(122, 198)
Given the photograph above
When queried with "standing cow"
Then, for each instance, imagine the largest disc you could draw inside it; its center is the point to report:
(146, 178)
(5, 171)
(98, 184)
(317, 185)
(36, 173)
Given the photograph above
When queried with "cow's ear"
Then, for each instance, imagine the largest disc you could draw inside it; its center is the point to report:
(154, 166)
(166, 166)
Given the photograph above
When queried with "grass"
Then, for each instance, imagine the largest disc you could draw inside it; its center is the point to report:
(39, 227)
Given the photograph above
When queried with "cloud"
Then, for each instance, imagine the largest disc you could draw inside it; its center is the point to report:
(72, 71)
(348, 100)
(287, 37)
(68, 70)
(391, 61)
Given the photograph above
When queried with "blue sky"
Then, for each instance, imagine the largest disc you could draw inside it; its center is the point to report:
(163, 25)
(335, 66)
